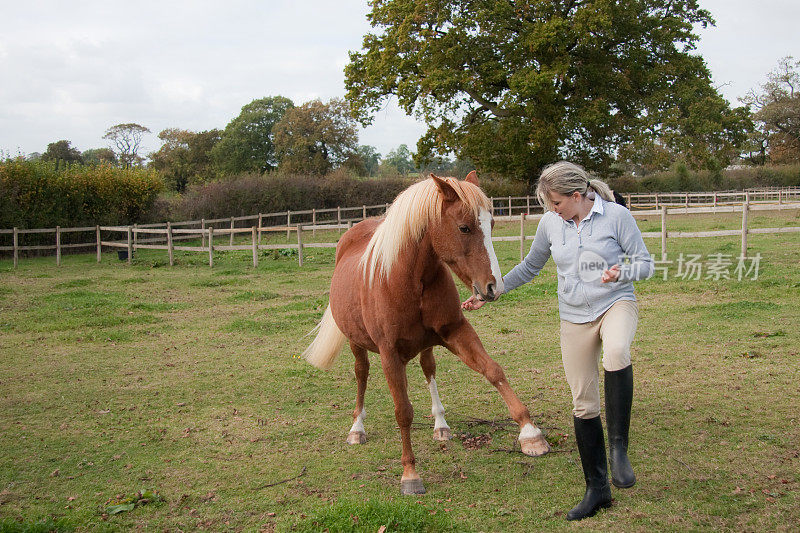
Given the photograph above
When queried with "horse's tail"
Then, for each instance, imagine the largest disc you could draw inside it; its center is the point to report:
(328, 343)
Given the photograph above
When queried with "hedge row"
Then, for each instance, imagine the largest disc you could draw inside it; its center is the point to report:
(251, 194)
(35, 194)
(681, 179)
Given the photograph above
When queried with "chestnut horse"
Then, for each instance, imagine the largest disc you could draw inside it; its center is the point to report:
(392, 294)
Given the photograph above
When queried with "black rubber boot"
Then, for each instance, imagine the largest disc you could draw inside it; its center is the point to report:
(619, 395)
(592, 449)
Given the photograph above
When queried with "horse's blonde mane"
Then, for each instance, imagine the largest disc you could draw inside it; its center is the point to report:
(409, 216)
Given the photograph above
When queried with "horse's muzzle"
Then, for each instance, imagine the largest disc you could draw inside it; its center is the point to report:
(490, 294)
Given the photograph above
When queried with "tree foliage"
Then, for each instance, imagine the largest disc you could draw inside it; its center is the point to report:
(126, 139)
(62, 152)
(398, 162)
(316, 137)
(777, 115)
(99, 156)
(370, 159)
(185, 157)
(247, 144)
(514, 85)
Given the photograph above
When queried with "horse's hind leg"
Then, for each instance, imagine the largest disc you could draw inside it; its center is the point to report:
(357, 434)
(395, 371)
(441, 431)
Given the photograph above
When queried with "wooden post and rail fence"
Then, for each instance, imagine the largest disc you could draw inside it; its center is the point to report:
(164, 236)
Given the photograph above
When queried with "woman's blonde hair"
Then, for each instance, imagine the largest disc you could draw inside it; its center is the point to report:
(566, 178)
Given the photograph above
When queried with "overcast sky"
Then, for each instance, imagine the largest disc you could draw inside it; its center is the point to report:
(70, 70)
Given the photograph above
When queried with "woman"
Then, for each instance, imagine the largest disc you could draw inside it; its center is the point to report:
(598, 251)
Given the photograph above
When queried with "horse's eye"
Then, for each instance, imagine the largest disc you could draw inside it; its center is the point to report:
(463, 228)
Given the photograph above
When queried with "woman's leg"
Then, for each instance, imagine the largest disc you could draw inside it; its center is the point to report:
(580, 351)
(617, 330)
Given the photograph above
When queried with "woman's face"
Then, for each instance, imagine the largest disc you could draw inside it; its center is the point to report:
(566, 206)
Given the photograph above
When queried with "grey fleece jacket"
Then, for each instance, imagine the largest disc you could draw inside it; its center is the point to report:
(607, 236)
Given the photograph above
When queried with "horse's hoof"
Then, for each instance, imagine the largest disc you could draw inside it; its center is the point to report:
(442, 434)
(535, 447)
(412, 486)
(356, 437)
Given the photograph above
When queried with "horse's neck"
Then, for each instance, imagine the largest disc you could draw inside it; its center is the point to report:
(421, 262)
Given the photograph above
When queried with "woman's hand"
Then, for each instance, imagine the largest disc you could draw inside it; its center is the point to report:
(472, 303)
(612, 274)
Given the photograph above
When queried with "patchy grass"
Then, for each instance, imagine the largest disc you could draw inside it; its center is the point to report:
(186, 381)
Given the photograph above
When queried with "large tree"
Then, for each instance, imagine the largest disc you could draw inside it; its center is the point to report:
(185, 157)
(316, 137)
(126, 139)
(99, 156)
(514, 85)
(247, 144)
(776, 109)
(62, 151)
(399, 161)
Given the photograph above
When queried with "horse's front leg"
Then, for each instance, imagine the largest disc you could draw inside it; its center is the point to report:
(441, 431)
(395, 371)
(464, 342)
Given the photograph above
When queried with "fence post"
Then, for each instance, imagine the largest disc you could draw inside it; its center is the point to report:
(313, 222)
(363, 212)
(715, 199)
(260, 224)
(203, 233)
(663, 233)
(657, 206)
(745, 209)
(300, 244)
(528, 204)
(130, 244)
(233, 225)
(687, 201)
(16, 247)
(255, 247)
(135, 235)
(630, 205)
(58, 245)
(339, 217)
(521, 237)
(99, 246)
(288, 224)
(211, 246)
(780, 197)
(169, 244)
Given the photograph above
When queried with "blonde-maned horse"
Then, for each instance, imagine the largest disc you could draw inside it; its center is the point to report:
(392, 294)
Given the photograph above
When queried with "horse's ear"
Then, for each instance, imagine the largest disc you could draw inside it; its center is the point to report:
(445, 188)
(472, 177)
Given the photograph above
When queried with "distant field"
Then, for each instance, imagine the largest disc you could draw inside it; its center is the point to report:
(116, 379)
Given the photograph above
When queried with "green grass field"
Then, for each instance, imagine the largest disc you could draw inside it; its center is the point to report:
(186, 382)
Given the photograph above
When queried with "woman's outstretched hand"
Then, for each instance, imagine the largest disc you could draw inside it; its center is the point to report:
(472, 303)
(612, 274)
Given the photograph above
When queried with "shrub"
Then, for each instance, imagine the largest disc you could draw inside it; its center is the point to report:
(35, 194)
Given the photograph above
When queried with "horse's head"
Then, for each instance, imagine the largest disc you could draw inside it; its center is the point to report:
(463, 236)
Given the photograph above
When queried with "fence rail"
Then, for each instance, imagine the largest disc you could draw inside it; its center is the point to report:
(163, 236)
